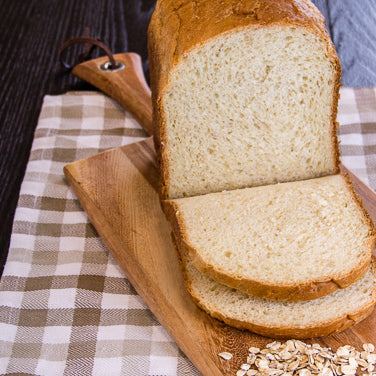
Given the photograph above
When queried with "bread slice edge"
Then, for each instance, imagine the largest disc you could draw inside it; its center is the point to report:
(312, 289)
(327, 328)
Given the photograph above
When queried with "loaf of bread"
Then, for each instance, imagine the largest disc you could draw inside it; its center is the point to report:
(272, 318)
(244, 94)
(290, 241)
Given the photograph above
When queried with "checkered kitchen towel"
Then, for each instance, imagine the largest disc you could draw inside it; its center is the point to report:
(357, 132)
(65, 306)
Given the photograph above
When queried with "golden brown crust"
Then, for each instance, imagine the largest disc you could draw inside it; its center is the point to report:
(367, 217)
(307, 291)
(326, 328)
(179, 26)
(297, 292)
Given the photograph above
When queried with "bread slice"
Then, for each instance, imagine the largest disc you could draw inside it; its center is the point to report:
(271, 318)
(244, 94)
(290, 241)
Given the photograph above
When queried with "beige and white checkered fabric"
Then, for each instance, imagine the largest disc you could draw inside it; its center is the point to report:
(357, 132)
(65, 306)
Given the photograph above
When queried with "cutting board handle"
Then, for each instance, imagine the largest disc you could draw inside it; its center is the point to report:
(126, 84)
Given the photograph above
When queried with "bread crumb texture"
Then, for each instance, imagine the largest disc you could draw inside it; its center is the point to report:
(248, 108)
(283, 234)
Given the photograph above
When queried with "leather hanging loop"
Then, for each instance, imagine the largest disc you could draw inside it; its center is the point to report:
(112, 64)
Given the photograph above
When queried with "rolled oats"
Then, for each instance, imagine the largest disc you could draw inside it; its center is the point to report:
(353, 363)
(326, 372)
(262, 364)
(293, 365)
(225, 355)
(304, 372)
(254, 350)
(343, 352)
(298, 358)
(251, 359)
(369, 347)
(241, 372)
(348, 370)
(362, 363)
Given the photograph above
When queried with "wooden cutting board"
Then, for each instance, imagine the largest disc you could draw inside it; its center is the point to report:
(118, 191)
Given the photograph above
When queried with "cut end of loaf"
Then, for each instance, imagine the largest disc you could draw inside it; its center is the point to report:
(291, 241)
(248, 108)
(315, 318)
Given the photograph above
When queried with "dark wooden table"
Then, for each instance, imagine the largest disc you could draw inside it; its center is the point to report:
(30, 35)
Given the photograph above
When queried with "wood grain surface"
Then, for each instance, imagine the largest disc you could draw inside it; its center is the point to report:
(118, 190)
(127, 85)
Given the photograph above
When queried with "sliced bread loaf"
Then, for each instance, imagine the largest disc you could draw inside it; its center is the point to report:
(244, 94)
(290, 241)
(315, 318)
